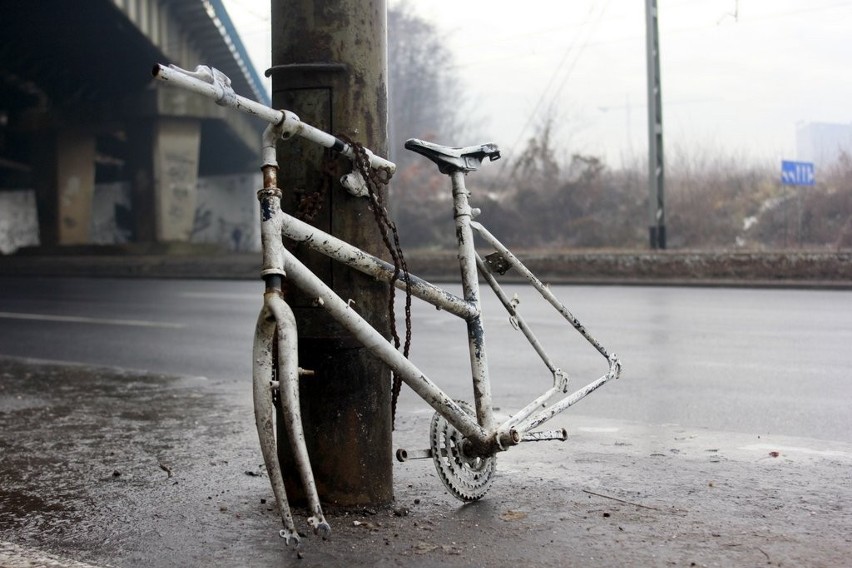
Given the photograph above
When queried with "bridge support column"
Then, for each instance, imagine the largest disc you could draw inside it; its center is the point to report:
(163, 170)
(64, 179)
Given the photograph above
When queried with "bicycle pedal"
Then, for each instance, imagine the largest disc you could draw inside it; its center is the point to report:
(404, 455)
(546, 436)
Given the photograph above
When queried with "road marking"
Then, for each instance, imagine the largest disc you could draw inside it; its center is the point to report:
(598, 429)
(101, 321)
(799, 450)
(14, 556)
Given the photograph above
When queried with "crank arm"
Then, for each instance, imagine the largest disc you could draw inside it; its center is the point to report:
(404, 455)
(546, 435)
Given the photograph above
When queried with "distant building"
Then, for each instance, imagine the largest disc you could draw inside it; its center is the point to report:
(823, 142)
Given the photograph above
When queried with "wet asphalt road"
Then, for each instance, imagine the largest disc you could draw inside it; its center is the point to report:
(727, 442)
(741, 360)
(134, 469)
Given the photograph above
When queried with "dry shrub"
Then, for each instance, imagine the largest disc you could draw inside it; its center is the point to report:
(713, 202)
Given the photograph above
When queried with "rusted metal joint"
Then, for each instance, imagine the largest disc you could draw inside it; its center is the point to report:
(472, 448)
(501, 441)
(268, 192)
(270, 176)
(507, 438)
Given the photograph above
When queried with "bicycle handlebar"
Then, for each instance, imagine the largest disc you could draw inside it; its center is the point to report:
(214, 84)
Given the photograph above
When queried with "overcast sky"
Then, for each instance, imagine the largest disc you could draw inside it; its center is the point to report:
(738, 76)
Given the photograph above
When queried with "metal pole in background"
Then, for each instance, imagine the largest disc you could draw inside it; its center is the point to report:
(656, 169)
(330, 68)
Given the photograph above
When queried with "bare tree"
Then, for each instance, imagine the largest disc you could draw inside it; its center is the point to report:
(424, 94)
(424, 89)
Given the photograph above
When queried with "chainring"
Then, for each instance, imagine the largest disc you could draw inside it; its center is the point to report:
(467, 478)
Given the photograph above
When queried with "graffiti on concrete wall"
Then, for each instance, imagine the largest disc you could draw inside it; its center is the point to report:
(177, 195)
(18, 224)
(112, 220)
(176, 173)
(227, 213)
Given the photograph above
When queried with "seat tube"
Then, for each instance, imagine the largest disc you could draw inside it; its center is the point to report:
(470, 285)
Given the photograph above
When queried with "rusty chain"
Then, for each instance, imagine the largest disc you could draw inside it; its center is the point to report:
(309, 204)
(376, 179)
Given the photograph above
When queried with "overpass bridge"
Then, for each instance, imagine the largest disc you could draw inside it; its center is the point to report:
(78, 108)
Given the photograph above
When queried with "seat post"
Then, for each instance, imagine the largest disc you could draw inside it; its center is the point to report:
(470, 285)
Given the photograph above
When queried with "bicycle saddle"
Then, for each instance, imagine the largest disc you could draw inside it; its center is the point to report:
(450, 160)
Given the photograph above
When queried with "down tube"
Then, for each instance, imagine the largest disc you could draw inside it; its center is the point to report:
(355, 258)
(311, 285)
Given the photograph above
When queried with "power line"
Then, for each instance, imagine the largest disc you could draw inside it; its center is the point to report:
(576, 59)
(562, 62)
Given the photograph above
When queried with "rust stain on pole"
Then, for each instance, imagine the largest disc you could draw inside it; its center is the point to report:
(330, 68)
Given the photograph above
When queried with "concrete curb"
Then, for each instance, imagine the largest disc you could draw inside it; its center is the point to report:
(794, 269)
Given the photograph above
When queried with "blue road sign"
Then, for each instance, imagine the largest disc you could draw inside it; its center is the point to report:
(797, 173)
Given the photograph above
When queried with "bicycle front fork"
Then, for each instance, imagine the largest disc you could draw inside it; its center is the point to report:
(276, 333)
(281, 374)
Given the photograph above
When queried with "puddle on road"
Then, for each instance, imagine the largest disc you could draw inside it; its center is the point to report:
(94, 456)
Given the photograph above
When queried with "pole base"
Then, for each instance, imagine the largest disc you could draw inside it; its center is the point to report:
(657, 236)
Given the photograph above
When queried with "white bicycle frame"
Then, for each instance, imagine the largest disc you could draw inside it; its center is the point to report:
(482, 430)
(484, 436)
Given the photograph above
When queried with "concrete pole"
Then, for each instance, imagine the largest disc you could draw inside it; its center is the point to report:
(330, 68)
(656, 167)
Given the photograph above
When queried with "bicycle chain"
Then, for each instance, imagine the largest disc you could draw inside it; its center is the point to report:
(467, 478)
(376, 179)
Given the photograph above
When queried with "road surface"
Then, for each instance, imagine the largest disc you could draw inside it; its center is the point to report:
(725, 444)
(743, 360)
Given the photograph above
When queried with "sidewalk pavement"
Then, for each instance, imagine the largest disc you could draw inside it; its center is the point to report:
(110, 467)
